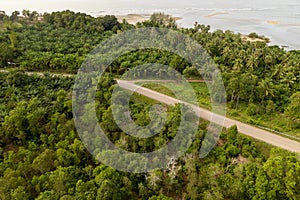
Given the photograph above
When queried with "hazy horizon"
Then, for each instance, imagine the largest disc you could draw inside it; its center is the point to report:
(94, 6)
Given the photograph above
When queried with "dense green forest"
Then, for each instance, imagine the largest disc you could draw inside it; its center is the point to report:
(42, 156)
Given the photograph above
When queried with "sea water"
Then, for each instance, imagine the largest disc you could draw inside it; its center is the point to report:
(277, 20)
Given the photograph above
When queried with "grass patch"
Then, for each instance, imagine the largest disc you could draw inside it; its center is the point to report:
(140, 99)
(200, 89)
(274, 121)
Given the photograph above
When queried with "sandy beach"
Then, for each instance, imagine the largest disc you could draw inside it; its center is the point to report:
(246, 38)
(216, 14)
(278, 21)
(272, 22)
(135, 18)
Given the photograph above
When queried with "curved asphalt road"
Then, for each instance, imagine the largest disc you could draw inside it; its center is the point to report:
(243, 128)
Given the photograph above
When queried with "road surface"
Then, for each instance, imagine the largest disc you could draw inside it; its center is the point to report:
(243, 128)
(254, 132)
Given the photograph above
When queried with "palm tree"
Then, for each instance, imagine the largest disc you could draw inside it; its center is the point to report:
(265, 88)
(14, 15)
(252, 63)
(33, 16)
(278, 72)
(238, 65)
(289, 78)
(26, 13)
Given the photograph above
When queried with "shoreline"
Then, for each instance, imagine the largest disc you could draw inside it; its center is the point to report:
(216, 14)
(135, 18)
(271, 28)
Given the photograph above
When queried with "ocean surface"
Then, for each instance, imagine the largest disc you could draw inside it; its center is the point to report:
(277, 20)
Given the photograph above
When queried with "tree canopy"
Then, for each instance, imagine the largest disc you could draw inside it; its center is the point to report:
(42, 156)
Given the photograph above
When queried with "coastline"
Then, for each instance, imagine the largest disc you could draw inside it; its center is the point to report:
(135, 18)
(271, 28)
(278, 21)
(216, 14)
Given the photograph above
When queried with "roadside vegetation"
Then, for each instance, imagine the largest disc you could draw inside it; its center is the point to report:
(276, 121)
